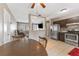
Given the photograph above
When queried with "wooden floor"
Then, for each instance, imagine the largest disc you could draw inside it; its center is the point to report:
(58, 48)
(23, 48)
(19, 47)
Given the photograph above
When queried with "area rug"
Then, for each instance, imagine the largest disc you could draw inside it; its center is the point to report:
(74, 52)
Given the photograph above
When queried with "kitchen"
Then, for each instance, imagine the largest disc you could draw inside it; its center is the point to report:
(66, 30)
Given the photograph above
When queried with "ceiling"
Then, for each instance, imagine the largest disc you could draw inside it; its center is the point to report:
(52, 10)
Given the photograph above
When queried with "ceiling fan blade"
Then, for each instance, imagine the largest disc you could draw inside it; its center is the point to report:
(43, 5)
(33, 4)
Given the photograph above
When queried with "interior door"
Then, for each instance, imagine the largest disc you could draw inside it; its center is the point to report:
(6, 26)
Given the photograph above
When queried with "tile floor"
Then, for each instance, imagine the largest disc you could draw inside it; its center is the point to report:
(58, 48)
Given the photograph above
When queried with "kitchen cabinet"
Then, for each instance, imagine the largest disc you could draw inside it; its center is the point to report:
(61, 36)
(62, 23)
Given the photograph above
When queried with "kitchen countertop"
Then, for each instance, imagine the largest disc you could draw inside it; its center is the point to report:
(71, 32)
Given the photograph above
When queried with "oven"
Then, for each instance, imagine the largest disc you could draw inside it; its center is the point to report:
(71, 39)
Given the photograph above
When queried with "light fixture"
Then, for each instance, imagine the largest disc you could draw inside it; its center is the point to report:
(37, 10)
(41, 4)
(64, 10)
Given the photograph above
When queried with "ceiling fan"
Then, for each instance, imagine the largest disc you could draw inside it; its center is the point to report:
(42, 4)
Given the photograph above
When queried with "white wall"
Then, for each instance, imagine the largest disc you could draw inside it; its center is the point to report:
(6, 20)
(34, 34)
(6, 25)
(22, 26)
(13, 25)
(38, 20)
(1, 27)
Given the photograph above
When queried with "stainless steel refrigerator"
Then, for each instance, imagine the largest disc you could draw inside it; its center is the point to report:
(55, 29)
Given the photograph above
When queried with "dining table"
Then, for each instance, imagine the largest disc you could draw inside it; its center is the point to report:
(23, 47)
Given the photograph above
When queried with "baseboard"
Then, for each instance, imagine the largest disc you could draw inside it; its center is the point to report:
(6, 42)
(1, 44)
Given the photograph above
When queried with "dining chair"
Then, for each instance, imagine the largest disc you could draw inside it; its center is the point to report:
(43, 41)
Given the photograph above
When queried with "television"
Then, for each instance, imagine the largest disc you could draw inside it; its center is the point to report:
(40, 25)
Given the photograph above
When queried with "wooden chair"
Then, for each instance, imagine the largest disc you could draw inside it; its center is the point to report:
(43, 41)
(19, 35)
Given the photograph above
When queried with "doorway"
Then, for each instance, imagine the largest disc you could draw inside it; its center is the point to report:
(6, 26)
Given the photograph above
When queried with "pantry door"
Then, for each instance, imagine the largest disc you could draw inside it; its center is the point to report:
(6, 26)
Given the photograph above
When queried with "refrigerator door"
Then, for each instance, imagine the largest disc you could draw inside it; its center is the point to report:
(56, 27)
(55, 30)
